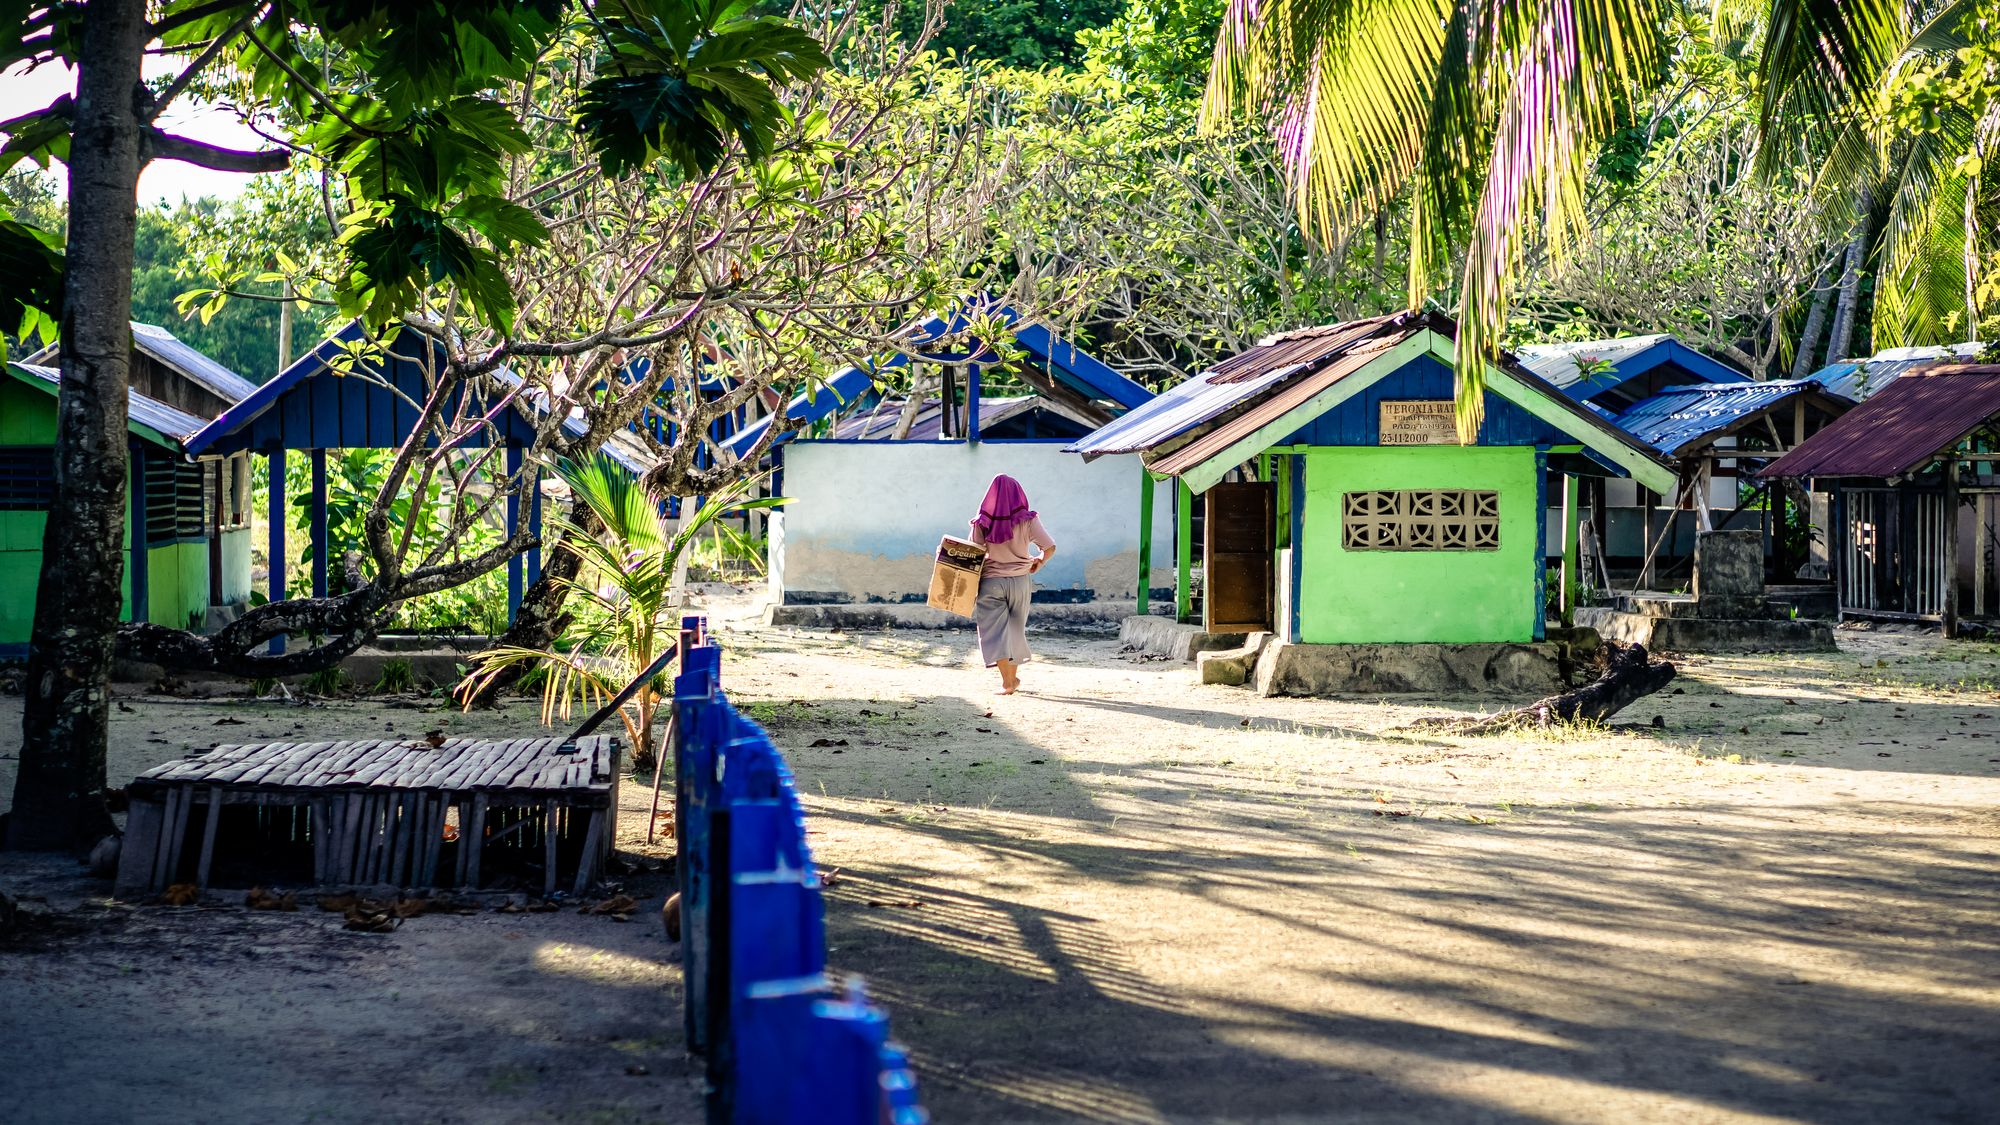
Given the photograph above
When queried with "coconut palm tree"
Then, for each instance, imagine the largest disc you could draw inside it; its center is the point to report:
(1484, 117)
(624, 599)
(1924, 151)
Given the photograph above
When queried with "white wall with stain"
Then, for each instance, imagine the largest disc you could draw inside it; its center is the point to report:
(864, 518)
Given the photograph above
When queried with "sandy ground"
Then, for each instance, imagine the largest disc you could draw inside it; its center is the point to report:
(117, 1013)
(1129, 897)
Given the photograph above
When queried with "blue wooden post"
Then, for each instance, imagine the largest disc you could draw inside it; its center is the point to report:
(513, 527)
(277, 541)
(535, 526)
(141, 553)
(320, 546)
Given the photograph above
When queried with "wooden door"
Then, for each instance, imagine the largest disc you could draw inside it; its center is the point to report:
(1239, 545)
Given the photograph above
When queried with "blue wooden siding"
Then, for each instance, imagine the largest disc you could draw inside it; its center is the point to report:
(317, 408)
(1358, 420)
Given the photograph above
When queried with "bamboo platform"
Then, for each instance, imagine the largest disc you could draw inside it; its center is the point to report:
(463, 814)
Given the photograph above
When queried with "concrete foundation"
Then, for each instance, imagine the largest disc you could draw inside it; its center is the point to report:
(1163, 636)
(1731, 609)
(910, 615)
(429, 667)
(1687, 632)
(1523, 670)
(1232, 667)
(1808, 600)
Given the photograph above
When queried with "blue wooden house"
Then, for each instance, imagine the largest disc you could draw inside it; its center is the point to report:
(341, 395)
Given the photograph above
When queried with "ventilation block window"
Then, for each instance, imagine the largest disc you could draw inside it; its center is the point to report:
(1443, 519)
(27, 478)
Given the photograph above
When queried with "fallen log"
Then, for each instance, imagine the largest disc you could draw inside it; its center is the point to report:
(1624, 673)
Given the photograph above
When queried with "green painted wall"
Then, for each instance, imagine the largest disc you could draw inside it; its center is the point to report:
(1357, 597)
(28, 417)
(20, 570)
(177, 583)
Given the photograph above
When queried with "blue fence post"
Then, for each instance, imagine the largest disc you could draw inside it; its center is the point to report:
(695, 739)
(783, 1047)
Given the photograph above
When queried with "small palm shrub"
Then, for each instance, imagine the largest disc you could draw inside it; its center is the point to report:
(623, 602)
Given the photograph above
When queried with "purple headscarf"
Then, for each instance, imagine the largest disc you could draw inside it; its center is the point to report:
(1004, 511)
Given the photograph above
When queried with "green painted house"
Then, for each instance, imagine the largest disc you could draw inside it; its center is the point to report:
(192, 516)
(1336, 504)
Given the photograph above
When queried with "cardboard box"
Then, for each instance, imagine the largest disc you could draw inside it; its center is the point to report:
(955, 576)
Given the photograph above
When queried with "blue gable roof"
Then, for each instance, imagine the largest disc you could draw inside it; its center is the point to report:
(1065, 362)
(1628, 356)
(311, 405)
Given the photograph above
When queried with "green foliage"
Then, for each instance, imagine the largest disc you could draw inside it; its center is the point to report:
(240, 335)
(623, 600)
(680, 77)
(727, 552)
(328, 681)
(31, 302)
(1927, 137)
(436, 525)
(402, 103)
(397, 677)
(1019, 33)
(1487, 120)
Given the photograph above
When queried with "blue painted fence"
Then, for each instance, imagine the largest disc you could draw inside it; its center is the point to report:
(783, 1044)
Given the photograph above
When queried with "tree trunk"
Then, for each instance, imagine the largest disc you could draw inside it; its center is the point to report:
(59, 792)
(1625, 673)
(1803, 361)
(541, 619)
(1841, 344)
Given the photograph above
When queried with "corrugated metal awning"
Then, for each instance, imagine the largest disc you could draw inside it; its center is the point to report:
(1901, 427)
(1233, 382)
(1681, 417)
(163, 424)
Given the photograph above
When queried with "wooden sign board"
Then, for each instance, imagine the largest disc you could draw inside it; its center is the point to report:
(1417, 422)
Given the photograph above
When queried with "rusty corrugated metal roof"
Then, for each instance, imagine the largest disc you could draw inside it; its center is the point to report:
(1287, 397)
(1901, 427)
(1235, 381)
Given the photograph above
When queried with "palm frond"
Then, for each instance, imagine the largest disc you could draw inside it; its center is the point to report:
(1822, 59)
(1483, 113)
(1945, 29)
(1921, 289)
(1347, 87)
(1574, 63)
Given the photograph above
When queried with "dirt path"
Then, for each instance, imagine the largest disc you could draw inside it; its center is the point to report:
(1128, 897)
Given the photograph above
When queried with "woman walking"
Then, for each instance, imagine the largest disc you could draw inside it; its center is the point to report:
(1008, 529)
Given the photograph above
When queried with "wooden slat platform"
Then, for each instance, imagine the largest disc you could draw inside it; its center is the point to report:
(377, 811)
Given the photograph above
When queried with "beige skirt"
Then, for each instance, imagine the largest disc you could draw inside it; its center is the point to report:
(1002, 616)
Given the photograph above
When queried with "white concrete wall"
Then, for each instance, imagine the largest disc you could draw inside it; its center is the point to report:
(864, 518)
(236, 566)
